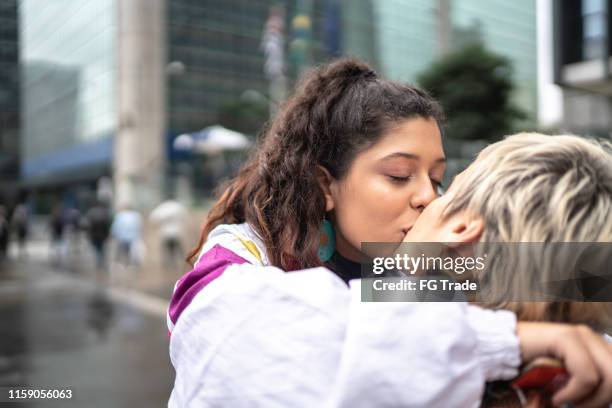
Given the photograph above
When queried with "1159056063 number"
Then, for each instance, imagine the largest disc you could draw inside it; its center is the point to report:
(26, 393)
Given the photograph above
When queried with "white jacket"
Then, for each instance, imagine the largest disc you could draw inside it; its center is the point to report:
(256, 336)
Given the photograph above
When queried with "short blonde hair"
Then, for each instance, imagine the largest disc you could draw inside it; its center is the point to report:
(532, 187)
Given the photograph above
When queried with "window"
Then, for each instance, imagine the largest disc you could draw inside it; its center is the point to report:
(594, 36)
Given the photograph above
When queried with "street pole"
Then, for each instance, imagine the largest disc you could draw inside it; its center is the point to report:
(443, 17)
(273, 47)
(139, 159)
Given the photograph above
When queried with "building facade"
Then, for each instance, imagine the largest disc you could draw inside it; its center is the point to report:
(108, 85)
(412, 34)
(581, 31)
(68, 88)
(9, 101)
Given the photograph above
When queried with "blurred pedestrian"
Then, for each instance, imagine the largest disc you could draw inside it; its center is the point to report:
(98, 221)
(4, 232)
(171, 219)
(21, 227)
(73, 229)
(57, 227)
(126, 229)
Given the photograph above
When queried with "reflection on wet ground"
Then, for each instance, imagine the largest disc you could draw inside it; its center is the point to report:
(59, 331)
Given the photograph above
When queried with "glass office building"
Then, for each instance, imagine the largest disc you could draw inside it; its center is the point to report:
(408, 38)
(68, 89)
(71, 75)
(211, 64)
(509, 29)
(68, 66)
(9, 99)
(218, 46)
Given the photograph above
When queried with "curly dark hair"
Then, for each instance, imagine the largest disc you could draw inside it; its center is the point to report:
(338, 110)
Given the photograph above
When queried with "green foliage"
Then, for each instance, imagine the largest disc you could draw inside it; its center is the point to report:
(243, 116)
(474, 87)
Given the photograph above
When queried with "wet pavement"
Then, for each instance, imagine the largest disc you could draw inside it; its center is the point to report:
(64, 329)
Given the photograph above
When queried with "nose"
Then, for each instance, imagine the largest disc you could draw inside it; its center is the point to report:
(424, 194)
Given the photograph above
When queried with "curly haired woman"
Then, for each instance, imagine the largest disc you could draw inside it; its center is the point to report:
(271, 313)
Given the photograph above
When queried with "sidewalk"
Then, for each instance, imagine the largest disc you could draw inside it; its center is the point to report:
(77, 258)
(61, 330)
(103, 336)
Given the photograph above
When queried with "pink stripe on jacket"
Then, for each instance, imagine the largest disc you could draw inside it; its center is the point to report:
(212, 264)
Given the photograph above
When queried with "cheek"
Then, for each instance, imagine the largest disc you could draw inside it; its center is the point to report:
(429, 227)
(371, 211)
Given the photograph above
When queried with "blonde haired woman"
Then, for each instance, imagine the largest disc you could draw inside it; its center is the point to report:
(518, 200)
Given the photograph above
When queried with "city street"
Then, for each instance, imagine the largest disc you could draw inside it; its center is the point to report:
(150, 148)
(61, 327)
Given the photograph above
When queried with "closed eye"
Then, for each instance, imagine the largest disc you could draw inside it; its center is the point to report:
(398, 179)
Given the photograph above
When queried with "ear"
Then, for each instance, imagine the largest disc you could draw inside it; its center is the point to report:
(464, 228)
(325, 182)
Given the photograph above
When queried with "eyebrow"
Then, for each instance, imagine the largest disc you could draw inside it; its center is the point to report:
(410, 156)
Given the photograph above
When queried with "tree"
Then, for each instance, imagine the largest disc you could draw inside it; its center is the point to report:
(474, 86)
(244, 115)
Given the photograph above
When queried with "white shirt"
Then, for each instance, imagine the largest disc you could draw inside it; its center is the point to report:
(127, 226)
(260, 337)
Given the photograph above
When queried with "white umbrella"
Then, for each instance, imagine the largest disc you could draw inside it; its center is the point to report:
(216, 138)
(183, 143)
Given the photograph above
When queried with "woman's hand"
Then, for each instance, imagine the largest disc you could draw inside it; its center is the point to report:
(585, 355)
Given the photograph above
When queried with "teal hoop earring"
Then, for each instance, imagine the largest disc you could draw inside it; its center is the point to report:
(327, 245)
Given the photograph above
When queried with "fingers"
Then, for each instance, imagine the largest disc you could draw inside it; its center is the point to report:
(586, 356)
(573, 349)
(601, 353)
(588, 360)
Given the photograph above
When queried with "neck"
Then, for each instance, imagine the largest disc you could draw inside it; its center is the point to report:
(344, 248)
(345, 268)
